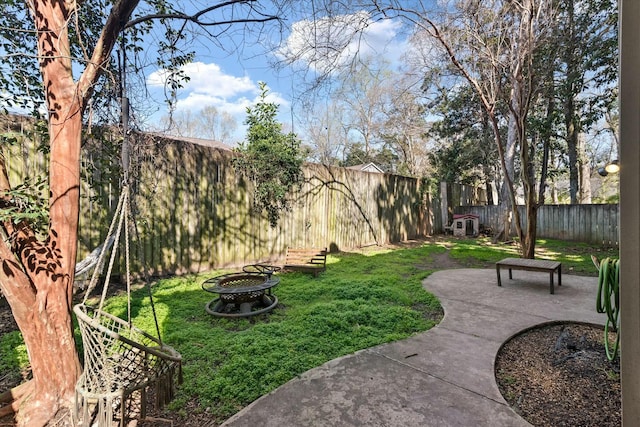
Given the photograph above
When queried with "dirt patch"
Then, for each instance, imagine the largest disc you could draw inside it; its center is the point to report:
(444, 262)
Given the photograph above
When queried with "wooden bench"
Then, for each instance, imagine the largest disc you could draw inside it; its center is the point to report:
(531, 265)
(306, 260)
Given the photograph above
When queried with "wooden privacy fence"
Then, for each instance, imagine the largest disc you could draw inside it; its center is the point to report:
(194, 212)
(595, 224)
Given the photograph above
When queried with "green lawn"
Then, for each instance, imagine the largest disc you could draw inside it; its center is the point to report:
(575, 257)
(363, 299)
(360, 301)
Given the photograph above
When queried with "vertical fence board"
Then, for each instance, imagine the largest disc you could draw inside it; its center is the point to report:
(596, 224)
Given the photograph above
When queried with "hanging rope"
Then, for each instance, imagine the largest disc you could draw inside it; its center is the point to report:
(147, 279)
(112, 234)
(120, 223)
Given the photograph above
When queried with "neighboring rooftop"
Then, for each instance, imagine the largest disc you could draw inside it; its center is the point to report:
(366, 167)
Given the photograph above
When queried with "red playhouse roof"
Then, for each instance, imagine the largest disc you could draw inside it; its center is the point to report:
(461, 216)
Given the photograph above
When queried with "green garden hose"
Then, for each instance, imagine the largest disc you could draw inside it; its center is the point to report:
(608, 301)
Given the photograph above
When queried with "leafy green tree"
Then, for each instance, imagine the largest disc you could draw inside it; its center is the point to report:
(467, 154)
(270, 159)
(586, 75)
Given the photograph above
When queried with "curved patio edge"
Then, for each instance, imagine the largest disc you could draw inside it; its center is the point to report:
(441, 377)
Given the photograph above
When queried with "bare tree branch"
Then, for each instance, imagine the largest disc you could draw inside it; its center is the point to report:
(196, 18)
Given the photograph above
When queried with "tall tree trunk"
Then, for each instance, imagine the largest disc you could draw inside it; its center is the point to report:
(38, 279)
(553, 185)
(489, 189)
(49, 335)
(507, 198)
(572, 150)
(528, 242)
(545, 136)
(585, 172)
(572, 124)
(554, 193)
(38, 282)
(529, 246)
(42, 299)
(488, 170)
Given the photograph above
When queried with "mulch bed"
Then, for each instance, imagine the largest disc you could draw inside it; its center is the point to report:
(559, 375)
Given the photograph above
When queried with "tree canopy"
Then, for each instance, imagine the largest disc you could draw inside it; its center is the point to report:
(269, 158)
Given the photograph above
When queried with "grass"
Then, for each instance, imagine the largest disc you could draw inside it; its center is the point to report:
(575, 257)
(13, 353)
(363, 299)
(360, 301)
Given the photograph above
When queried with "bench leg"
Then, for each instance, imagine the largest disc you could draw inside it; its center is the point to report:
(560, 276)
(498, 271)
(510, 275)
(551, 282)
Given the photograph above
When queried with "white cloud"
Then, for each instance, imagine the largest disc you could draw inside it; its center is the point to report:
(208, 79)
(195, 101)
(328, 43)
(209, 85)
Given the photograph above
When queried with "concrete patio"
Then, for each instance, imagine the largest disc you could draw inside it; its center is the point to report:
(442, 377)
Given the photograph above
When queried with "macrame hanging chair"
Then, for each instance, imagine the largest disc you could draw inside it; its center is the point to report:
(121, 362)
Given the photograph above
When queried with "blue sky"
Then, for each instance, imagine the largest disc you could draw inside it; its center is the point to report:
(229, 81)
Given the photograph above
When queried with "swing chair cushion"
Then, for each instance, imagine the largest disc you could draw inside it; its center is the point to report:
(120, 359)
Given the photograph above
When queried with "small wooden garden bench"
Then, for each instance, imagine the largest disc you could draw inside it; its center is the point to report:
(531, 265)
(306, 260)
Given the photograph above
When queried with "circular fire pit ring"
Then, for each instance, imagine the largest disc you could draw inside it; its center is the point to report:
(241, 294)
